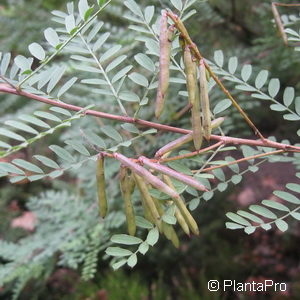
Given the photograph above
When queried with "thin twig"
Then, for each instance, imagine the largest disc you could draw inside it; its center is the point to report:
(184, 110)
(207, 161)
(6, 81)
(241, 160)
(279, 23)
(278, 20)
(187, 155)
(286, 4)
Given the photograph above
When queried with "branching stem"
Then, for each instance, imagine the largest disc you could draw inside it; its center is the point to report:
(224, 139)
(187, 155)
(242, 159)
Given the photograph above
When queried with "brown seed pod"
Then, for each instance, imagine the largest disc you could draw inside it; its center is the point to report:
(204, 100)
(165, 38)
(193, 92)
(100, 176)
(127, 188)
(170, 172)
(183, 209)
(191, 74)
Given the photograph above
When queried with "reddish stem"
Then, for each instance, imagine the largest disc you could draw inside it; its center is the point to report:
(225, 139)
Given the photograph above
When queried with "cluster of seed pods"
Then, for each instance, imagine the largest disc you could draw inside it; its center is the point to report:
(140, 172)
(197, 90)
(133, 173)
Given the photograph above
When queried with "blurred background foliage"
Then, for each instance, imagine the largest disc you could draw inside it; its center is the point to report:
(238, 27)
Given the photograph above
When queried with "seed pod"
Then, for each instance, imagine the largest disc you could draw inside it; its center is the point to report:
(164, 229)
(147, 214)
(158, 206)
(207, 75)
(170, 234)
(146, 175)
(196, 122)
(165, 38)
(131, 183)
(182, 208)
(126, 189)
(184, 139)
(193, 92)
(167, 229)
(174, 144)
(174, 238)
(204, 100)
(149, 203)
(181, 221)
(100, 176)
(217, 122)
(191, 74)
(170, 172)
(166, 155)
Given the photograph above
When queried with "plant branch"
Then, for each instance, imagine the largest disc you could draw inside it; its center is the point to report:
(64, 44)
(286, 4)
(6, 81)
(187, 155)
(241, 160)
(278, 20)
(225, 139)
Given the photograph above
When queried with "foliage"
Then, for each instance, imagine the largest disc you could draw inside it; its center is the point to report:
(93, 65)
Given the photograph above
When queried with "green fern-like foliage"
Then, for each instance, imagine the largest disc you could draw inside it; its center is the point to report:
(84, 64)
(58, 231)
